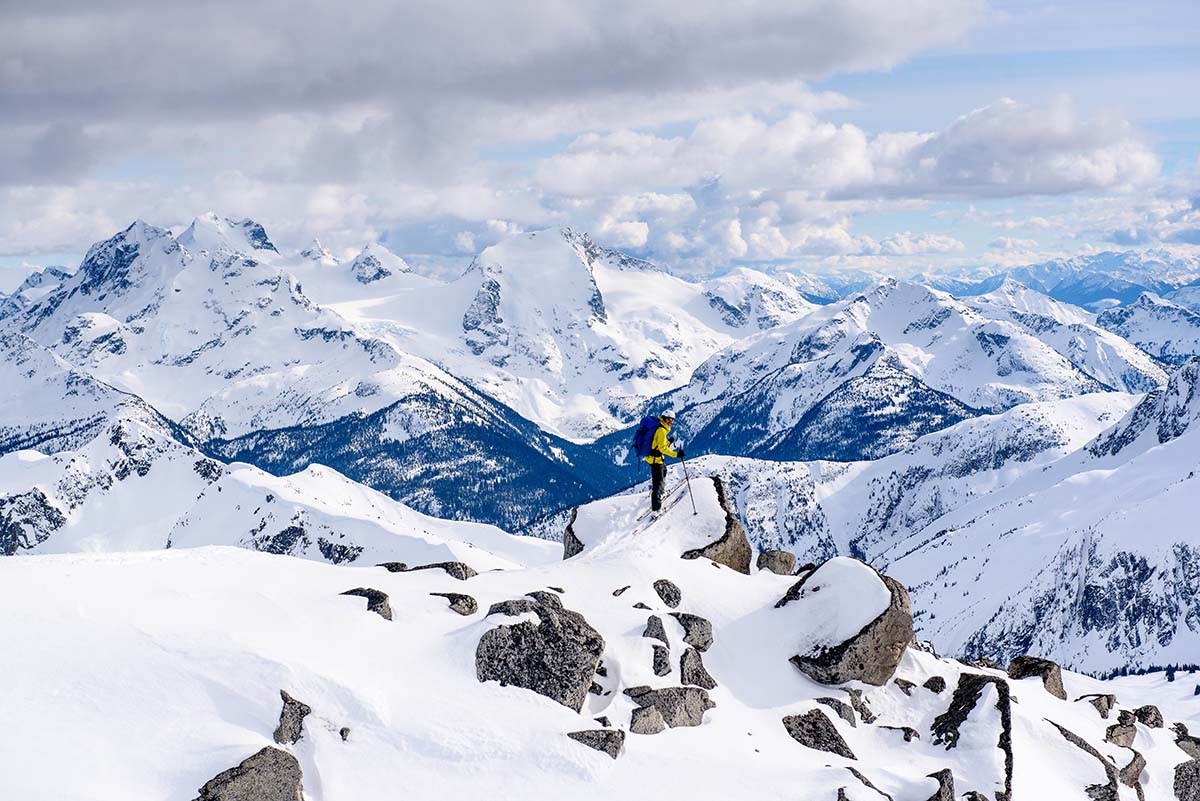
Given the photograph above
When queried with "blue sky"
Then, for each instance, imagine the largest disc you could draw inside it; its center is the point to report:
(801, 135)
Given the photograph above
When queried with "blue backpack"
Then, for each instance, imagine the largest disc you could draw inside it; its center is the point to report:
(645, 435)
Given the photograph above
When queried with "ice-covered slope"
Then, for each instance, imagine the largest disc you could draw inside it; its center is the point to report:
(867, 376)
(1113, 361)
(1165, 330)
(193, 646)
(572, 335)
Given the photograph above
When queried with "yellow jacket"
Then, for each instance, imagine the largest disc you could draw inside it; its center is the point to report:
(659, 446)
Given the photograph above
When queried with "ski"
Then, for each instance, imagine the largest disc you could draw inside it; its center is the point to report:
(666, 508)
(666, 496)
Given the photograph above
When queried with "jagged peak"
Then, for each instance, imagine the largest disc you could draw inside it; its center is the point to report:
(212, 233)
(1169, 412)
(375, 262)
(318, 252)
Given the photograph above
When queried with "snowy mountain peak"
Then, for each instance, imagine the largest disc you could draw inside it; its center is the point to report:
(375, 263)
(111, 264)
(213, 235)
(1165, 330)
(317, 252)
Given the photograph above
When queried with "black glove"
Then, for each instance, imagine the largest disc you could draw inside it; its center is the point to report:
(680, 452)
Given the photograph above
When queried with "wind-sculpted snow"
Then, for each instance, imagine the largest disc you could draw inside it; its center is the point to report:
(440, 704)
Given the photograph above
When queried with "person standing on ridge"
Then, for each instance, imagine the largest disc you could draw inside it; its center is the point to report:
(660, 446)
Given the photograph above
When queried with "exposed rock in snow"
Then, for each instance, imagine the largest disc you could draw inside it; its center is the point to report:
(856, 623)
(377, 601)
(815, 730)
(732, 549)
(698, 632)
(1097, 792)
(654, 629)
(1103, 702)
(945, 780)
(1169, 332)
(693, 672)
(781, 563)
(935, 684)
(843, 710)
(464, 605)
(608, 741)
(1187, 781)
(291, 719)
(647, 720)
(459, 570)
(1122, 732)
(948, 728)
(1050, 673)
(556, 658)
(662, 660)
(668, 592)
(905, 685)
(269, 775)
(680, 706)
(1148, 715)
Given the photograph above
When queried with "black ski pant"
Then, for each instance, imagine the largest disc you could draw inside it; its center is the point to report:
(658, 477)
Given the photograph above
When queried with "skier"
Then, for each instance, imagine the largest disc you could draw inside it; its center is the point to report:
(660, 446)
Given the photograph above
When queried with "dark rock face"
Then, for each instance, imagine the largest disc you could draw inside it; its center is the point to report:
(1187, 781)
(815, 730)
(1049, 672)
(459, 570)
(945, 780)
(1190, 745)
(617, 592)
(1103, 702)
(654, 630)
(871, 655)
(647, 720)
(693, 672)
(662, 661)
(1123, 731)
(733, 548)
(462, 604)
(377, 601)
(1149, 715)
(608, 741)
(556, 658)
(935, 684)
(697, 630)
(866, 783)
(843, 710)
(291, 719)
(571, 544)
(1131, 774)
(779, 562)
(668, 592)
(946, 726)
(1097, 792)
(905, 685)
(344, 733)
(269, 775)
(679, 706)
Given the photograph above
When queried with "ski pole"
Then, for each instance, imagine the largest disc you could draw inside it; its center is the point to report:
(688, 479)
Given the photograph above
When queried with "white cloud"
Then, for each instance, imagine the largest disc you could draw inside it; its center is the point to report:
(1010, 243)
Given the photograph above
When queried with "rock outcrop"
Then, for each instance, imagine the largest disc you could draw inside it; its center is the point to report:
(679, 706)
(935, 684)
(1050, 673)
(291, 719)
(571, 544)
(377, 601)
(1123, 731)
(269, 775)
(459, 570)
(668, 592)
(1103, 702)
(872, 654)
(815, 730)
(608, 741)
(945, 790)
(843, 710)
(661, 661)
(693, 672)
(779, 562)
(462, 604)
(697, 631)
(1187, 781)
(654, 630)
(733, 548)
(947, 727)
(647, 720)
(1099, 792)
(1149, 715)
(556, 658)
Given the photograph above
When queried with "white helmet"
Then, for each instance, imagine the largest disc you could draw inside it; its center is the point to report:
(670, 413)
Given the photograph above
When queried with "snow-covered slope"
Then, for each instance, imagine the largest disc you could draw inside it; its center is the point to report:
(1165, 330)
(1105, 356)
(208, 331)
(867, 376)
(35, 286)
(151, 673)
(572, 335)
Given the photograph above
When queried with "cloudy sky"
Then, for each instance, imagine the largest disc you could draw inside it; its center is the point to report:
(795, 134)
